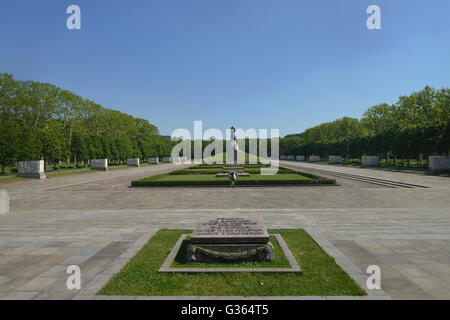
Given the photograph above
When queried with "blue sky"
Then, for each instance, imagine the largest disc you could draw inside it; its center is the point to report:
(286, 64)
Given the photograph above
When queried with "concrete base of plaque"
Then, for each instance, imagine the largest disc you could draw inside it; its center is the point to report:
(210, 253)
(230, 240)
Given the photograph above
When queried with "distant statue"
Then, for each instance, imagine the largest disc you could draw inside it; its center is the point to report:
(233, 176)
(234, 147)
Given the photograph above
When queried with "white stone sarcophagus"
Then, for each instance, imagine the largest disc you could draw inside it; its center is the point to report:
(4, 202)
(99, 164)
(370, 161)
(133, 162)
(438, 165)
(31, 169)
(334, 159)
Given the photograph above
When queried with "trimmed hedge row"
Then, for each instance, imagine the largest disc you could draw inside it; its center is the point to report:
(154, 181)
(284, 182)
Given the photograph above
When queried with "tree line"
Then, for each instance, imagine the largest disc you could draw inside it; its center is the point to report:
(415, 127)
(43, 121)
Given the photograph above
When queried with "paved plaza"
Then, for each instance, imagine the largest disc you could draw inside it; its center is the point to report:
(98, 222)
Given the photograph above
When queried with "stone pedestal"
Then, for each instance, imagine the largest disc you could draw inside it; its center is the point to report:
(133, 162)
(31, 169)
(153, 160)
(230, 239)
(334, 159)
(4, 202)
(438, 165)
(314, 158)
(370, 161)
(99, 164)
(210, 253)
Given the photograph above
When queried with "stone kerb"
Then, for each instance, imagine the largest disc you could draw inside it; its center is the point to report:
(4, 202)
(133, 162)
(99, 164)
(31, 169)
(314, 158)
(334, 159)
(370, 161)
(438, 165)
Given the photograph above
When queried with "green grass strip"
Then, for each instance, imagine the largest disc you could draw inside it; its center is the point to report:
(321, 276)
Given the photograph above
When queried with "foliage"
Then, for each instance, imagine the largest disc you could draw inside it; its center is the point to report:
(43, 121)
(416, 126)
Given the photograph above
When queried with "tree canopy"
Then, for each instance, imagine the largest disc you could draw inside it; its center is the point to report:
(43, 121)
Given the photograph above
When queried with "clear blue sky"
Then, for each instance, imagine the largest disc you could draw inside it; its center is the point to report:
(286, 64)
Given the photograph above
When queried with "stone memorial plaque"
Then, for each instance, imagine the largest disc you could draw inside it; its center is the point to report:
(230, 230)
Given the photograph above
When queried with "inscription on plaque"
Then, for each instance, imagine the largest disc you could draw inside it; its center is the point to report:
(230, 230)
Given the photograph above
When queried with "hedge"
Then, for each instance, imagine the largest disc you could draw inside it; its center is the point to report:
(285, 182)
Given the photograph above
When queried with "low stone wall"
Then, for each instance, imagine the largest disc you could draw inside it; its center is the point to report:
(4, 202)
(300, 158)
(167, 159)
(99, 164)
(370, 161)
(291, 157)
(334, 159)
(314, 158)
(153, 160)
(438, 165)
(133, 162)
(31, 169)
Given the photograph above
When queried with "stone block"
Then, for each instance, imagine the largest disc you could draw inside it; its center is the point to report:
(438, 165)
(31, 169)
(4, 202)
(229, 252)
(99, 164)
(133, 162)
(167, 159)
(334, 159)
(370, 161)
(283, 157)
(300, 158)
(291, 157)
(314, 158)
(153, 160)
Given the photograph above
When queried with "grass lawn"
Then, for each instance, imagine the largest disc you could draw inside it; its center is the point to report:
(206, 175)
(11, 179)
(321, 275)
(280, 260)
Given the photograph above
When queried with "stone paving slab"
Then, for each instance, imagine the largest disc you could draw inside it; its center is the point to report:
(55, 221)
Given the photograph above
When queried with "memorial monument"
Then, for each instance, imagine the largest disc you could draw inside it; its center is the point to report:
(31, 169)
(229, 239)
